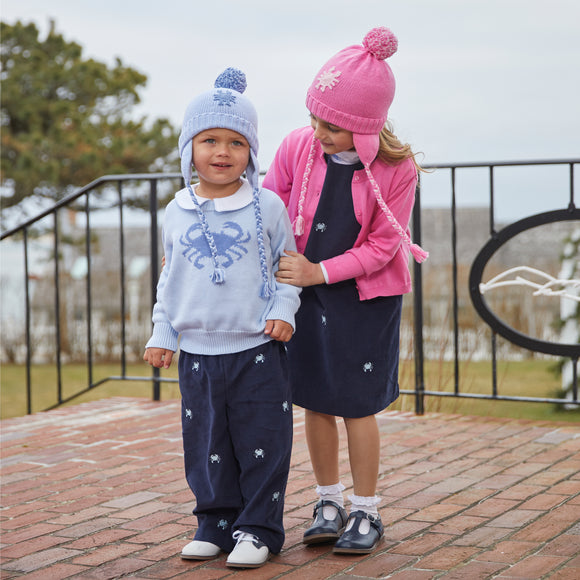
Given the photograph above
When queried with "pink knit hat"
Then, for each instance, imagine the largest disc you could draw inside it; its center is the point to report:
(354, 91)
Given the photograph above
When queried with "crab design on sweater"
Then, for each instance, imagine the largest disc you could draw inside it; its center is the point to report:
(229, 243)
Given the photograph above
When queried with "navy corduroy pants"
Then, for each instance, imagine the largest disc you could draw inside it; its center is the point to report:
(237, 441)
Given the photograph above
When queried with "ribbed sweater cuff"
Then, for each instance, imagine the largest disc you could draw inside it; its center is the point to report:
(164, 336)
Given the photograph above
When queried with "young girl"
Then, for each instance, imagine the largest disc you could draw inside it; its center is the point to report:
(217, 293)
(349, 186)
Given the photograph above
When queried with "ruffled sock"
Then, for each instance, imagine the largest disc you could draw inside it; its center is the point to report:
(366, 504)
(333, 493)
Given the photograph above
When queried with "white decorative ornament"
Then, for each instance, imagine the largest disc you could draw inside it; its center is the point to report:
(260, 358)
(368, 367)
(551, 287)
(214, 458)
(328, 79)
(189, 413)
(259, 454)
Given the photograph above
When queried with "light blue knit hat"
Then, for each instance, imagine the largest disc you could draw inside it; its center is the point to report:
(225, 107)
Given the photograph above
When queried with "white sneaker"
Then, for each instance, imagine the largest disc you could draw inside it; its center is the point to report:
(198, 550)
(249, 552)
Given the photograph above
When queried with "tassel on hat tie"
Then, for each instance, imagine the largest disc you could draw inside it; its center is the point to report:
(218, 275)
(418, 253)
(299, 225)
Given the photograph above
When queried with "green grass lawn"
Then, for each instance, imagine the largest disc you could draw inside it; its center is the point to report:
(533, 378)
(74, 379)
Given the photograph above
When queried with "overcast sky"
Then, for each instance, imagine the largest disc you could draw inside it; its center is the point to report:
(477, 80)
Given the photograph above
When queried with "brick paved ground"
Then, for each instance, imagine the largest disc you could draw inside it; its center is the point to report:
(97, 491)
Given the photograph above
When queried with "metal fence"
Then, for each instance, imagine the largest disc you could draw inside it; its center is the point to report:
(88, 202)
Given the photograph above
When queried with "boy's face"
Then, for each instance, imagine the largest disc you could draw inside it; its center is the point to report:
(220, 157)
(332, 139)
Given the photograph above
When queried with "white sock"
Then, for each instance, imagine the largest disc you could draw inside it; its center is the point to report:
(367, 505)
(333, 493)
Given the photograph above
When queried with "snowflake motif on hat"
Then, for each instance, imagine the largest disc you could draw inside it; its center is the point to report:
(224, 98)
(328, 79)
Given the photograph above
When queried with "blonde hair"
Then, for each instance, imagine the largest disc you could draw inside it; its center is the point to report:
(391, 150)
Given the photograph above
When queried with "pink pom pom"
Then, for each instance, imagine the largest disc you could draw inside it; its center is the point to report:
(381, 43)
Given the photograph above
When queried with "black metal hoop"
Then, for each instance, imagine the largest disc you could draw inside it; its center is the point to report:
(475, 279)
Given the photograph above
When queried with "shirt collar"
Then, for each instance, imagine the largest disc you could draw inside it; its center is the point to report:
(346, 157)
(238, 200)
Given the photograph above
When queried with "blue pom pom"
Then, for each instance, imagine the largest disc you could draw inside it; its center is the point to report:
(232, 78)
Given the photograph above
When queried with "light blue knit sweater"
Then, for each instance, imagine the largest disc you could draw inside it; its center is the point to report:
(210, 318)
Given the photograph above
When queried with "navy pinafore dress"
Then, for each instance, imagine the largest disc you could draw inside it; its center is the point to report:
(344, 355)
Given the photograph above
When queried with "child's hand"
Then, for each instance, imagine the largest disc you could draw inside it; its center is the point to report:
(158, 357)
(297, 270)
(279, 330)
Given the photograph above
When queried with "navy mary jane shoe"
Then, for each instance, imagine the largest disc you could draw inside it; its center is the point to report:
(353, 542)
(324, 530)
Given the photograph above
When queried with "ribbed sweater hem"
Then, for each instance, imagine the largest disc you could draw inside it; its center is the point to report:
(219, 342)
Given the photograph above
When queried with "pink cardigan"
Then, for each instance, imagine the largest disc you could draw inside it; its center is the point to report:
(379, 260)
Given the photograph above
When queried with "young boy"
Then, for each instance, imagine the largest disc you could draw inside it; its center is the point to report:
(218, 294)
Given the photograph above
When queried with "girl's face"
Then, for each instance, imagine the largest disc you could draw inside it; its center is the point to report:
(220, 157)
(333, 139)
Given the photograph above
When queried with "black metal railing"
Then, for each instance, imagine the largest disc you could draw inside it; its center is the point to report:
(86, 202)
(497, 326)
(83, 196)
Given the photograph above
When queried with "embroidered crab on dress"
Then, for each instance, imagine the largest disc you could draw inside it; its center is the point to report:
(328, 79)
